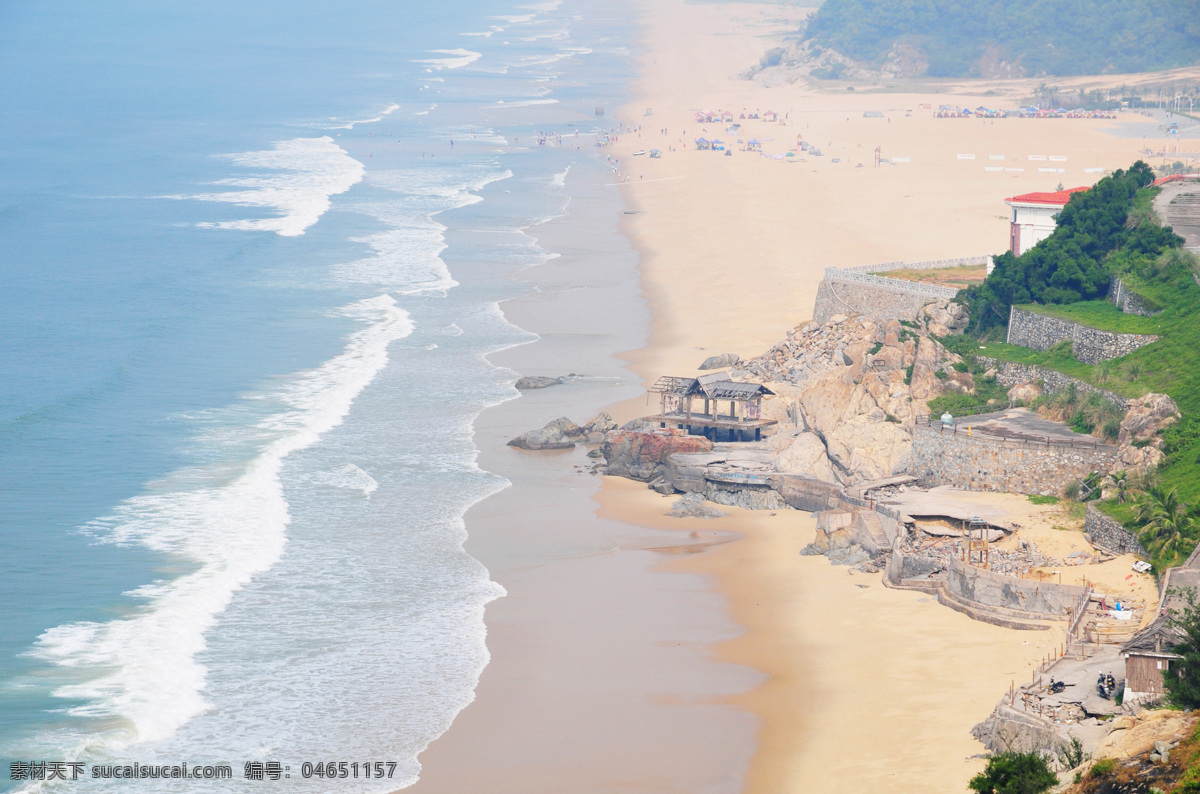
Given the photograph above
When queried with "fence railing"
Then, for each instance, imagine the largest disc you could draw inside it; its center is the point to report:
(904, 285)
(931, 264)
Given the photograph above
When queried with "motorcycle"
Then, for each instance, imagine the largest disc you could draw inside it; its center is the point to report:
(1106, 685)
(1056, 686)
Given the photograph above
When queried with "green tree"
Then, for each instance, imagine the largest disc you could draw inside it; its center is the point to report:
(1014, 773)
(1182, 681)
(1167, 523)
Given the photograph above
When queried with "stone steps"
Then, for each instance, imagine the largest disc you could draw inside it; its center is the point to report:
(997, 616)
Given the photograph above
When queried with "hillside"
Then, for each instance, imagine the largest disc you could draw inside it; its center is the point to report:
(960, 38)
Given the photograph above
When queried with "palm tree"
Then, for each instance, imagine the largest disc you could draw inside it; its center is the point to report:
(1166, 520)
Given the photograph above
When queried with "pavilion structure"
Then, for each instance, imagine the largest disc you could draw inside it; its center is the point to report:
(712, 406)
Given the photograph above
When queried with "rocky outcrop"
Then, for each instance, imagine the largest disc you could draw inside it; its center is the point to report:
(944, 317)
(1131, 736)
(537, 382)
(1139, 438)
(720, 362)
(804, 453)
(694, 505)
(1024, 393)
(562, 433)
(598, 427)
(846, 384)
(643, 456)
(558, 434)
(1147, 417)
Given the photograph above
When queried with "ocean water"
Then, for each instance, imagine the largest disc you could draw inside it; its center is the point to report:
(239, 378)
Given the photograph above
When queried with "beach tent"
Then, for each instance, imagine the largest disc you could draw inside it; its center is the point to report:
(754, 143)
(655, 154)
(718, 145)
(703, 144)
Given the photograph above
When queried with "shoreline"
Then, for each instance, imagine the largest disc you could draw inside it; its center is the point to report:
(598, 675)
(660, 654)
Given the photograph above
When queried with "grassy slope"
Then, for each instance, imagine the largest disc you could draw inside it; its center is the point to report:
(1171, 366)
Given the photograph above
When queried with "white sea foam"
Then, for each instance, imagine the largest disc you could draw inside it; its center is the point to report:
(406, 257)
(138, 675)
(338, 124)
(458, 59)
(307, 172)
(348, 477)
(560, 179)
(550, 5)
(522, 103)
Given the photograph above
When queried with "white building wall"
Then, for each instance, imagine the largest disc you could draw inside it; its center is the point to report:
(1035, 223)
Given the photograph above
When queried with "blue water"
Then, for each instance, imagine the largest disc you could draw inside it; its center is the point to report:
(238, 376)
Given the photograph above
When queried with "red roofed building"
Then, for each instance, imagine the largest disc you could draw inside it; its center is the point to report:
(1034, 216)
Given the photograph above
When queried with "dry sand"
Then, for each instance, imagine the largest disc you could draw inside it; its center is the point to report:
(733, 247)
(868, 689)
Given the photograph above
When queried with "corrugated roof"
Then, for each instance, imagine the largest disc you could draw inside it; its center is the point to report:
(670, 384)
(1059, 198)
(1158, 639)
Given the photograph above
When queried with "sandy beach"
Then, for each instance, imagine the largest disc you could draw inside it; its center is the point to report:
(868, 689)
(637, 652)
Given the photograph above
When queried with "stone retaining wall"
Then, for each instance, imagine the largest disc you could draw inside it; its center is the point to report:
(982, 463)
(1010, 374)
(880, 301)
(981, 586)
(1130, 302)
(1090, 345)
(1109, 533)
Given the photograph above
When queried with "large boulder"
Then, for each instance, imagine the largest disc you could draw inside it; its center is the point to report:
(642, 456)
(1025, 393)
(806, 455)
(720, 362)
(944, 317)
(1146, 417)
(694, 505)
(864, 424)
(925, 383)
(596, 428)
(558, 434)
(537, 382)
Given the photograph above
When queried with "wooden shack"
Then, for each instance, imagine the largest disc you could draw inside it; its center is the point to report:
(1148, 656)
(681, 397)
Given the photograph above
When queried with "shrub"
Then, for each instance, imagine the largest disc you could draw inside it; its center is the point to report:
(1102, 768)
(1014, 773)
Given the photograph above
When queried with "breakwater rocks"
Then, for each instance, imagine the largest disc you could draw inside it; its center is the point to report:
(1089, 345)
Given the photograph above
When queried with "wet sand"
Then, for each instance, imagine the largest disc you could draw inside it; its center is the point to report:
(601, 675)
